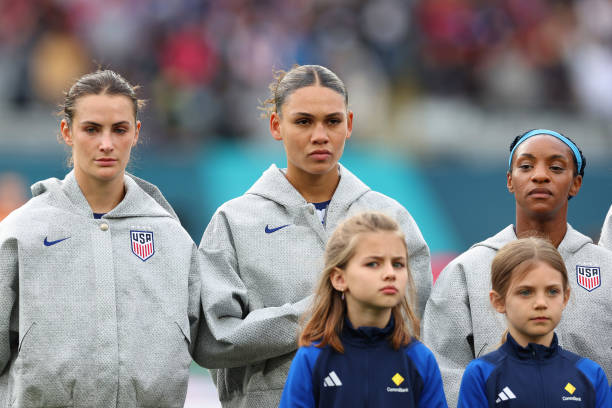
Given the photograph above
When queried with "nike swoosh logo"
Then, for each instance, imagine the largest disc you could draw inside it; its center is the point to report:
(271, 230)
(49, 243)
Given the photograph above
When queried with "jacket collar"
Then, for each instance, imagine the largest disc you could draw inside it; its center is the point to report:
(366, 335)
(532, 351)
(571, 243)
(273, 185)
(141, 198)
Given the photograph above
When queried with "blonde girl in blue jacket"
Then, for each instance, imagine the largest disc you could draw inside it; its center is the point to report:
(360, 346)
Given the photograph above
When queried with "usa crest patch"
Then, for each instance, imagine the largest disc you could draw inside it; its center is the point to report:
(589, 277)
(143, 245)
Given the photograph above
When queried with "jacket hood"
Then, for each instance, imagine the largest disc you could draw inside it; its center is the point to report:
(571, 243)
(274, 186)
(142, 199)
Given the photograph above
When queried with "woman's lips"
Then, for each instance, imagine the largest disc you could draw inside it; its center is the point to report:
(540, 193)
(320, 154)
(106, 161)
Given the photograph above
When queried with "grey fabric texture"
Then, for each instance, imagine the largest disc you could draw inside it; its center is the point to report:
(84, 322)
(257, 285)
(605, 239)
(459, 308)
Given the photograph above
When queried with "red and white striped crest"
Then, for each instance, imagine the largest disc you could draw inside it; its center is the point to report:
(142, 244)
(589, 277)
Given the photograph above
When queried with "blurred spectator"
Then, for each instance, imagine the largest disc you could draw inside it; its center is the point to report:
(47, 53)
(12, 193)
(57, 58)
(589, 57)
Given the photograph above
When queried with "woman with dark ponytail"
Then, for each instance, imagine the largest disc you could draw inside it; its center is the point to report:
(262, 251)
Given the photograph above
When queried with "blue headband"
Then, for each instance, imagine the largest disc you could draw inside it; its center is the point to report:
(559, 136)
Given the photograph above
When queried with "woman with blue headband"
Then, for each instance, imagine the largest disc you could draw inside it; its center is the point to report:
(545, 170)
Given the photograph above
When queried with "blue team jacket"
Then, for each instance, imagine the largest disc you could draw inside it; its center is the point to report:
(535, 376)
(370, 373)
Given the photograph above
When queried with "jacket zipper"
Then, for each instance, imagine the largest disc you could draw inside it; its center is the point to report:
(367, 385)
(541, 387)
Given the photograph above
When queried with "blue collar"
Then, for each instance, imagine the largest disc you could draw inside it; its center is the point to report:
(366, 335)
(532, 351)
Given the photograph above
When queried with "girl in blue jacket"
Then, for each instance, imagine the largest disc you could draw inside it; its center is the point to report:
(359, 347)
(530, 286)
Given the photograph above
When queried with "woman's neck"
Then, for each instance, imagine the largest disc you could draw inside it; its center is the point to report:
(102, 196)
(553, 229)
(315, 188)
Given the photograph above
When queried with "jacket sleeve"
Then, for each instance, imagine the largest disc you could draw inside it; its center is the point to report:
(298, 391)
(604, 393)
(8, 298)
(419, 259)
(605, 239)
(233, 335)
(194, 308)
(447, 327)
(597, 377)
(472, 393)
(432, 395)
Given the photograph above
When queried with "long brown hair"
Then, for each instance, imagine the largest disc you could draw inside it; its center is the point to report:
(517, 258)
(328, 310)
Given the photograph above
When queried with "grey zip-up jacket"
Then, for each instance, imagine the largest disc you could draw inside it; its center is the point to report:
(605, 239)
(262, 256)
(460, 324)
(96, 312)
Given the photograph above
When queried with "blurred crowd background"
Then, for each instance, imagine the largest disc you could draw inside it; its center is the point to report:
(439, 89)
(204, 64)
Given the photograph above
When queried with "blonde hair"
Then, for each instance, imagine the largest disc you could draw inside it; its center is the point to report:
(328, 310)
(516, 258)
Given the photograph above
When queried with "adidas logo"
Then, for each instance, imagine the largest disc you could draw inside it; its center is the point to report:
(505, 395)
(332, 380)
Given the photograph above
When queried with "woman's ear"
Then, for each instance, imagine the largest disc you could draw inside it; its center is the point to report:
(509, 182)
(349, 123)
(137, 132)
(65, 132)
(576, 184)
(336, 277)
(275, 126)
(498, 303)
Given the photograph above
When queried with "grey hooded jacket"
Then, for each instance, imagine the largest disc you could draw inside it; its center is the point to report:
(262, 256)
(89, 317)
(460, 324)
(605, 239)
